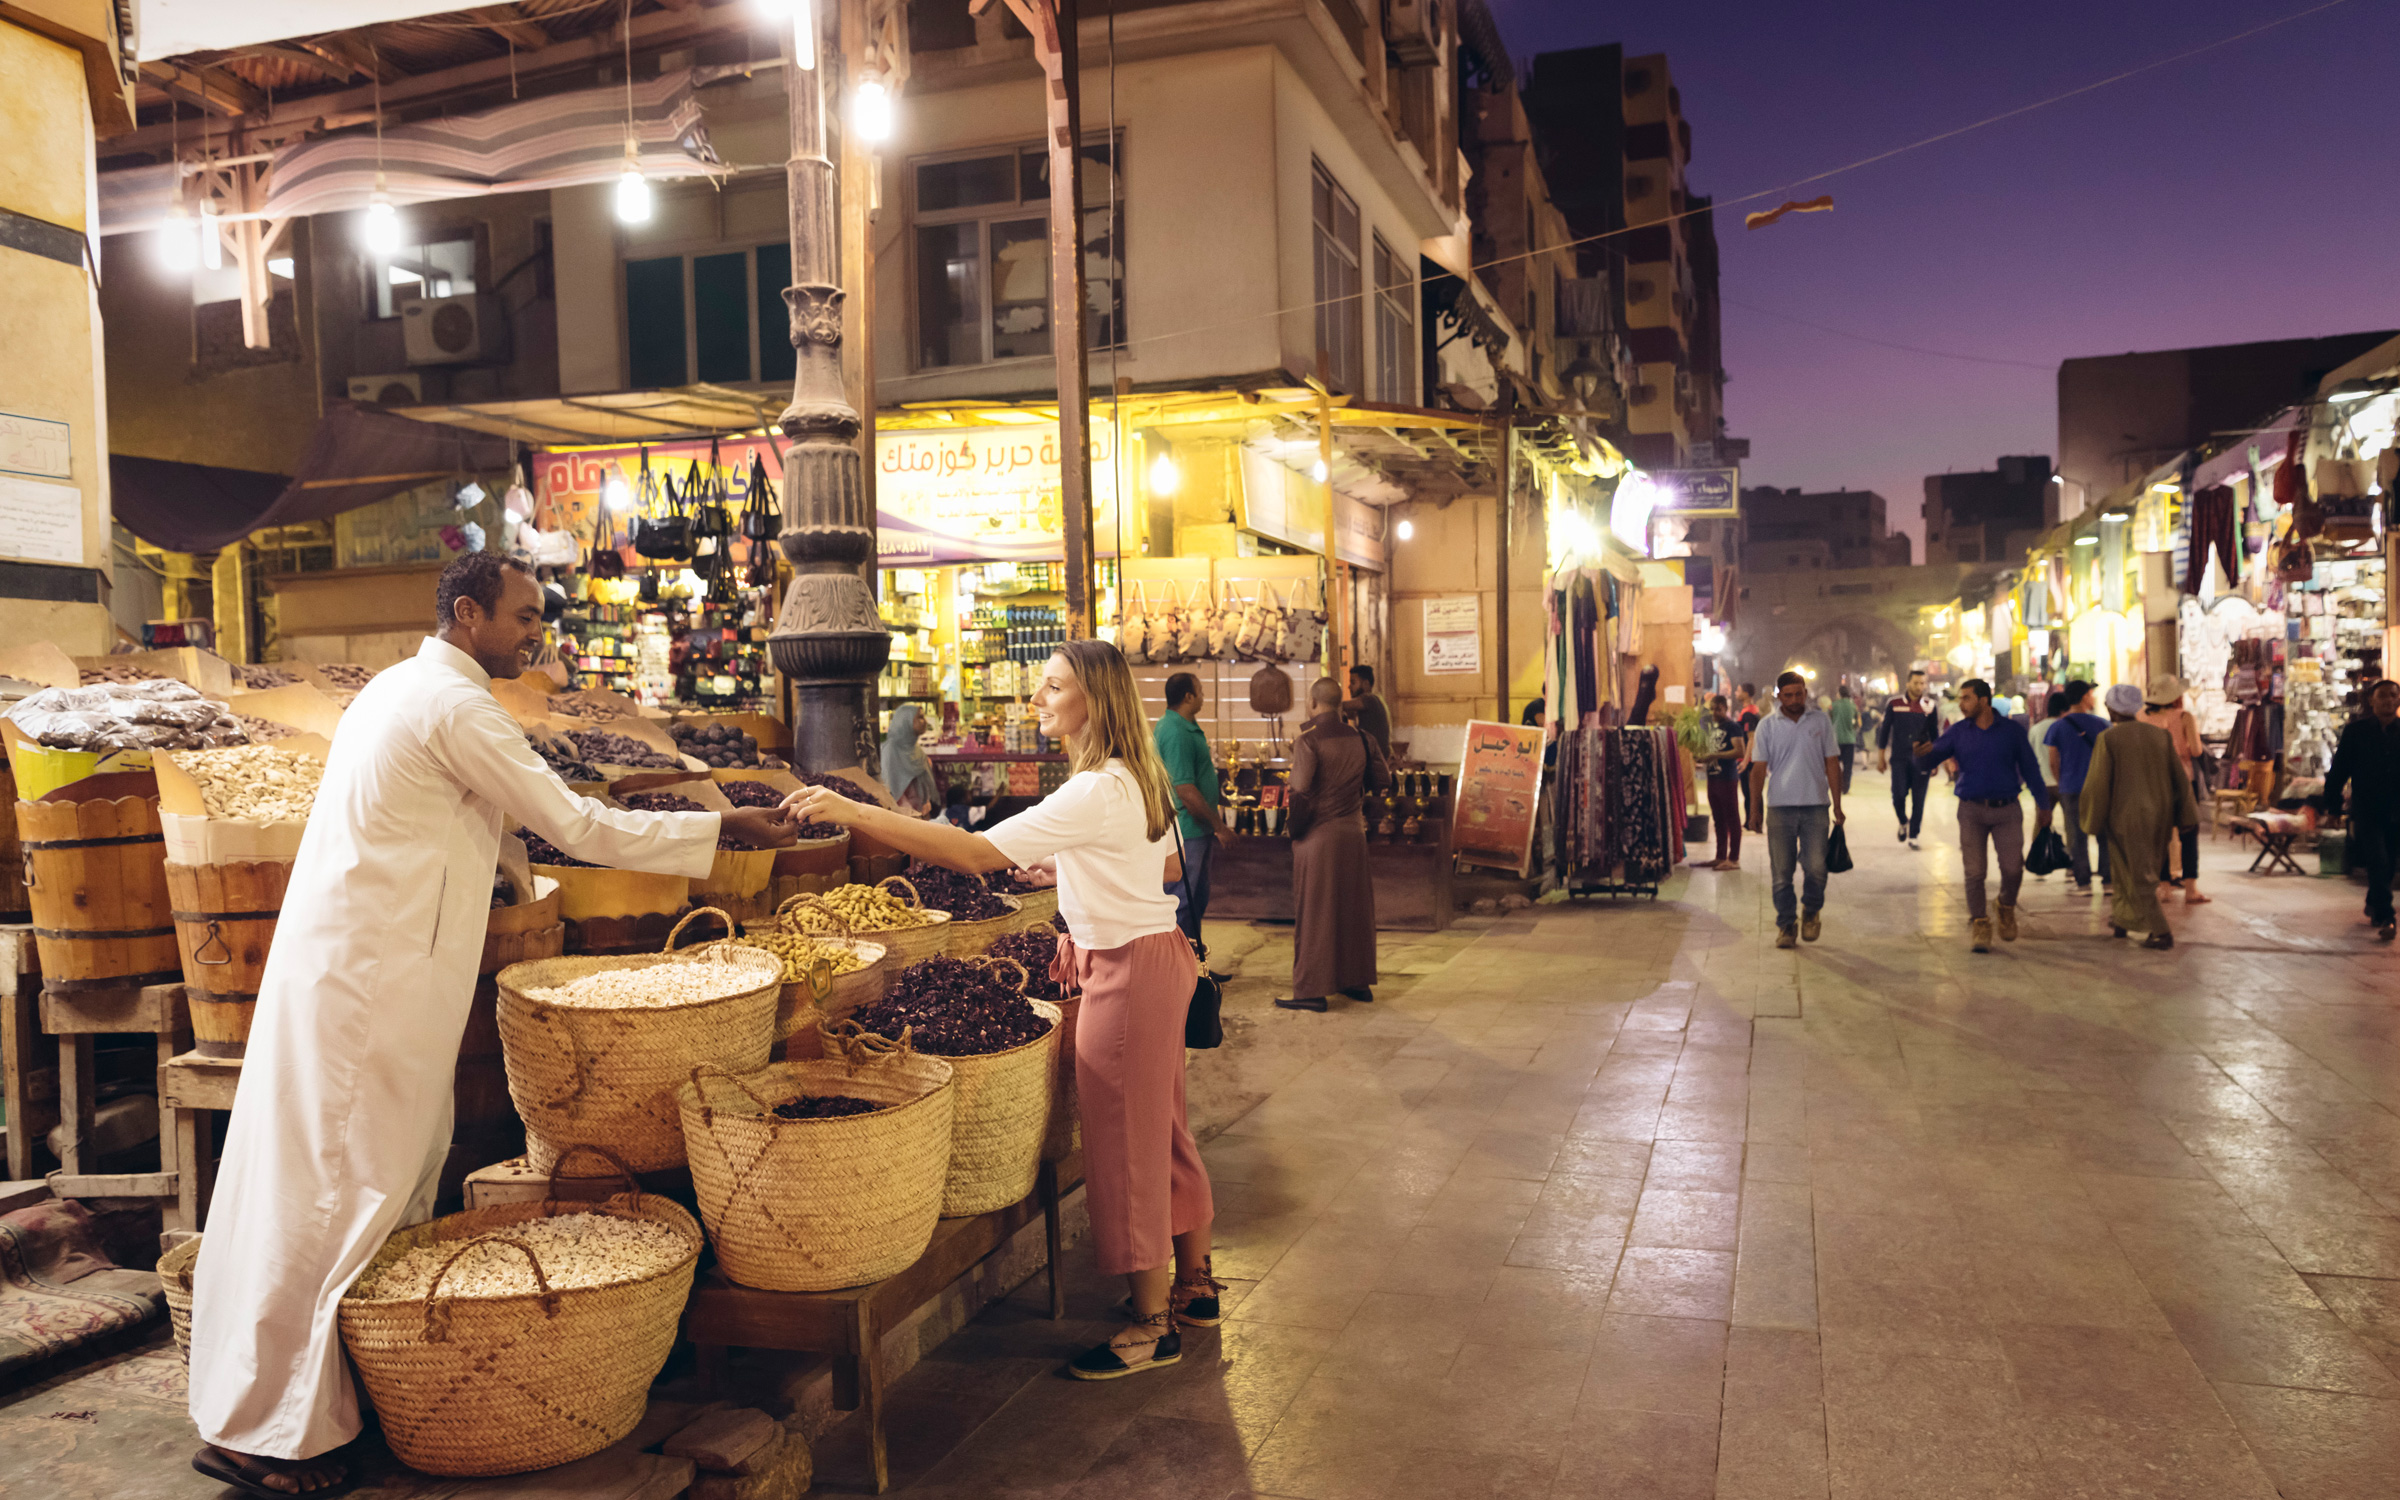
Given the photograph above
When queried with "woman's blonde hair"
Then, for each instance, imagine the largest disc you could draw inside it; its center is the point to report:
(1116, 728)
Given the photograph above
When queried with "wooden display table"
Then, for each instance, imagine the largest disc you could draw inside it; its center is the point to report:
(190, 1089)
(1251, 881)
(75, 1017)
(850, 1324)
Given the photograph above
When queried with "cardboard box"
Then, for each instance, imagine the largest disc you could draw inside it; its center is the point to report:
(42, 664)
(40, 770)
(300, 706)
(205, 670)
(195, 838)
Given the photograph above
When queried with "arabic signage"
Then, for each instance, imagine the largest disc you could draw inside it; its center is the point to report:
(1499, 793)
(1454, 634)
(987, 494)
(1697, 492)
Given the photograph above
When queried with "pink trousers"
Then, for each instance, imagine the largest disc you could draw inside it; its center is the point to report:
(1142, 1177)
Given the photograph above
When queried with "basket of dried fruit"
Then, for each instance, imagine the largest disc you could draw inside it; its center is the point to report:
(825, 977)
(596, 1045)
(978, 913)
(1037, 952)
(740, 874)
(522, 1336)
(592, 893)
(816, 1175)
(1003, 1052)
(908, 929)
(1036, 903)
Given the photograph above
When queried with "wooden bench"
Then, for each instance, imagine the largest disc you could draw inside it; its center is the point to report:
(192, 1088)
(850, 1324)
(75, 1017)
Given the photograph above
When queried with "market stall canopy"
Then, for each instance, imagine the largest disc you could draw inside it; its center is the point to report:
(691, 411)
(167, 28)
(357, 456)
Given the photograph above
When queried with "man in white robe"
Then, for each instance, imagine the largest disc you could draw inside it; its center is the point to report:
(343, 1118)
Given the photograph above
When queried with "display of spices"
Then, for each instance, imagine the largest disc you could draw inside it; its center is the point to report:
(255, 783)
(263, 731)
(115, 672)
(867, 908)
(760, 794)
(561, 759)
(260, 679)
(965, 897)
(719, 745)
(348, 676)
(576, 1250)
(1036, 948)
(541, 851)
(576, 706)
(694, 981)
(1014, 882)
(842, 784)
(670, 802)
(952, 1007)
(603, 748)
(826, 1107)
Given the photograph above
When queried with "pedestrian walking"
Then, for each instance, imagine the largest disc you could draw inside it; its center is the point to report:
(1110, 833)
(2367, 762)
(1796, 772)
(2135, 797)
(1334, 765)
(2068, 738)
(1724, 762)
(1845, 730)
(1365, 708)
(2164, 708)
(1908, 725)
(1996, 766)
(1746, 713)
(1192, 776)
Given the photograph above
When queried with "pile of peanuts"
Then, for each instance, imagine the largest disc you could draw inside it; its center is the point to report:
(867, 908)
(576, 1250)
(801, 953)
(255, 783)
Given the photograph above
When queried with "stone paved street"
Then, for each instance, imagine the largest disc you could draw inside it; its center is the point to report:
(1617, 1200)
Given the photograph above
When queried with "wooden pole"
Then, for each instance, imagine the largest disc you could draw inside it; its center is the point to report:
(1508, 491)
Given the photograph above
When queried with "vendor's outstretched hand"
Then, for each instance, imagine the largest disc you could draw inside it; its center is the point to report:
(816, 804)
(762, 827)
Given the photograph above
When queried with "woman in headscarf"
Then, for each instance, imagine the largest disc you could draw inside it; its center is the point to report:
(907, 774)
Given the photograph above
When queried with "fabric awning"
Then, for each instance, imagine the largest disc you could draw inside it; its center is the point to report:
(357, 456)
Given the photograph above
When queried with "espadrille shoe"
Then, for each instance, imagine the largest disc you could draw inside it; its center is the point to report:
(1131, 1352)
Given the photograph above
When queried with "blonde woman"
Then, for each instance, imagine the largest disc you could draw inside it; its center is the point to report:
(1110, 834)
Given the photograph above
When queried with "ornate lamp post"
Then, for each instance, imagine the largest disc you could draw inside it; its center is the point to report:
(829, 638)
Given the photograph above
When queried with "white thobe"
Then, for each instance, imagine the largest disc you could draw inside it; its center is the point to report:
(342, 1122)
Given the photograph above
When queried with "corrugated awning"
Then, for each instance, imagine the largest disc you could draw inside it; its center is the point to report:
(692, 411)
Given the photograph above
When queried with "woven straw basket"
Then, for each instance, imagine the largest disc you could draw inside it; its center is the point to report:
(804, 1008)
(584, 1076)
(811, 1205)
(1065, 1131)
(1001, 1118)
(901, 945)
(971, 939)
(500, 1385)
(1036, 908)
(175, 1280)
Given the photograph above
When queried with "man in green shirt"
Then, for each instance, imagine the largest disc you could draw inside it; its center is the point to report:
(1845, 731)
(1192, 771)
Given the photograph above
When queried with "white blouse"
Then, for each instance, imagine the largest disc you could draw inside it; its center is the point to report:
(1111, 873)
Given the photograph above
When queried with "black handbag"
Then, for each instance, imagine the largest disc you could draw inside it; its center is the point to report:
(762, 518)
(1837, 852)
(1204, 1023)
(2047, 855)
(663, 533)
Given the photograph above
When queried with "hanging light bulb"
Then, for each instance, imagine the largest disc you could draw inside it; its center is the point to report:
(178, 245)
(381, 231)
(1165, 478)
(212, 243)
(1405, 529)
(871, 112)
(804, 34)
(633, 189)
(1318, 472)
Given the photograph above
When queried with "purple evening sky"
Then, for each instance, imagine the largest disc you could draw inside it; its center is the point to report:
(2252, 192)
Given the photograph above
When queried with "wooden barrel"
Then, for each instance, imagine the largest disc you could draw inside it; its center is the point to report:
(224, 923)
(13, 909)
(479, 1095)
(96, 882)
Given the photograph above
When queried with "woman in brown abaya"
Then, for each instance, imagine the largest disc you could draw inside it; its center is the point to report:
(1333, 899)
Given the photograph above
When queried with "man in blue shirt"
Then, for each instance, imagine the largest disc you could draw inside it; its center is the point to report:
(1192, 771)
(2070, 735)
(1795, 772)
(1995, 765)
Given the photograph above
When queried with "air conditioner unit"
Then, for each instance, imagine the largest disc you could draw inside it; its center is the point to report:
(388, 390)
(452, 330)
(1413, 30)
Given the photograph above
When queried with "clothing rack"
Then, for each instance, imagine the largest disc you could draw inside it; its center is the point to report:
(1620, 796)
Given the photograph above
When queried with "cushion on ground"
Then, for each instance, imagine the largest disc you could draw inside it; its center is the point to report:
(59, 1291)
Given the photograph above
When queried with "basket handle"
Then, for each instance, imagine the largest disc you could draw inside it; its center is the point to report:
(993, 961)
(708, 1111)
(436, 1326)
(857, 1046)
(550, 1198)
(806, 901)
(909, 885)
(700, 911)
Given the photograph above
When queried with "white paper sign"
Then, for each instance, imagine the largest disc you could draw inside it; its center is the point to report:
(33, 445)
(1454, 634)
(41, 521)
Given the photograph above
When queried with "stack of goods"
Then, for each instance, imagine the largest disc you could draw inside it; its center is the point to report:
(117, 672)
(1003, 1051)
(908, 929)
(817, 1175)
(561, 758)
(670, 802)
(600, 747)
(520, 1337)
(841, 784)
(255, 783)
(1037, 900)
(262, 679)
(596, 1045)
(977, 913)
(576, 706)
(151, 714)
(719, 746)
(760, 794)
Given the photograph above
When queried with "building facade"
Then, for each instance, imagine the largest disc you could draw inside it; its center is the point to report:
(1989, 515)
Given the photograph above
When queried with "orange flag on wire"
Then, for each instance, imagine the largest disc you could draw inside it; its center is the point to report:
(1812, 206)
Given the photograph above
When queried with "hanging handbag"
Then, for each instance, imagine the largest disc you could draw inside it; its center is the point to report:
(661, 530)
(762, 517)
(1204, 1022)
(709, 517)
(1133, 629)
(1222, 623)
(1191, 632)
(607, 560)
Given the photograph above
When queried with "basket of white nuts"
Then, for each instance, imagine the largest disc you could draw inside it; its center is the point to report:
(595, 1046)
(521, 1336)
